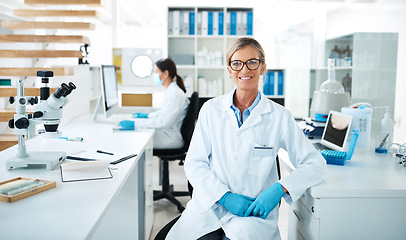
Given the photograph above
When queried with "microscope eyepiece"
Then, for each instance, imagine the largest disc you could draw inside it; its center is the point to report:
(62, 90)
(71, 87)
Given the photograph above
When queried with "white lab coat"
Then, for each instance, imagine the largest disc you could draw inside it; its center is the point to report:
(222, 157)
(168, 120)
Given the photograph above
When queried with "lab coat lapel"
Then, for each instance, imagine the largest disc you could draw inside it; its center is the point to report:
(228, 112)
(255, 117)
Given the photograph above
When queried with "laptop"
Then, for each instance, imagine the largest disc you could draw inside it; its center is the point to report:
(335, 133)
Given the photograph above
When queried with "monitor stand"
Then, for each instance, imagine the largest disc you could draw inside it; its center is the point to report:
(96, 110)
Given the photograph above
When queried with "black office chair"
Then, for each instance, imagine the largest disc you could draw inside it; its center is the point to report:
(166, 155)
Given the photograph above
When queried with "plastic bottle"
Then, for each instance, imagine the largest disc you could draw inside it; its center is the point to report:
(387, 127)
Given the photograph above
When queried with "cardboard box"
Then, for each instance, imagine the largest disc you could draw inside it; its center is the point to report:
(139, 100)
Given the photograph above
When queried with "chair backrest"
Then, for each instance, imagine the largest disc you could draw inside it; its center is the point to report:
(188, 125)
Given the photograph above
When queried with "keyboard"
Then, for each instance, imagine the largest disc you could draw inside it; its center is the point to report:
(123, 159)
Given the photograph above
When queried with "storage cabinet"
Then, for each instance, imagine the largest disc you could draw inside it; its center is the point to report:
(198, 39)
(372, 70)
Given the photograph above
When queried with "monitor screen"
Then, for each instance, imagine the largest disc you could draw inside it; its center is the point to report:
(337, 130)
(109, 89)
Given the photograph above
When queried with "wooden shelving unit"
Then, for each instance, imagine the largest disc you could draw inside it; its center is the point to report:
(58, 71)
(64, 2)
(12, 24)
(7, 140)
(40, 54)
(56, 13)
(44, 38)
(9, 91)
(29, 16)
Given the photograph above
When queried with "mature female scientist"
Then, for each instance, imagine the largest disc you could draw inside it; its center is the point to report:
(166, 121)
(231, 158)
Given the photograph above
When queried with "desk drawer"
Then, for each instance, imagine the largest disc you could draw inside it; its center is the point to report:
(307, 225)
(312, 205)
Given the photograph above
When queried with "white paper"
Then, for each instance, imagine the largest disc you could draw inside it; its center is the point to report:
(82, 171)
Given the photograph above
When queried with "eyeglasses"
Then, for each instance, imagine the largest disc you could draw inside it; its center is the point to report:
(252, 64)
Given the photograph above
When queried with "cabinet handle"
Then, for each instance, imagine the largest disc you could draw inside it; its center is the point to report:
(297, 216)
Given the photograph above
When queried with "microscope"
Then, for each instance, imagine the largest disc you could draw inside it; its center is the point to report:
(47, 112)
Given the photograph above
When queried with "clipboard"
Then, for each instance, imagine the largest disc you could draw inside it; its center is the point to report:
(85, 171)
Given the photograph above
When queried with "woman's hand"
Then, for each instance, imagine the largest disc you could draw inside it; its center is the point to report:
(235, 203)
(127, 125)
(140, 115)
(266, 201)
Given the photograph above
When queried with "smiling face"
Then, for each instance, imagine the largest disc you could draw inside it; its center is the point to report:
(246, 79)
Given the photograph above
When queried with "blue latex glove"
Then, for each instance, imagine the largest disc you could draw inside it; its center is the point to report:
(127, 125)
(266, 201)
(235, 203)
(140, 115)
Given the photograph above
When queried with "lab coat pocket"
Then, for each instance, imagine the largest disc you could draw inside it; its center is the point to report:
(263, 151)
(262, 160)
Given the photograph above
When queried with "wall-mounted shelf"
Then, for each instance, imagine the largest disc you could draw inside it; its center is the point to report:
(40, 54)
(58, 71)
(9, 91)
(11, 24)
(8, 140)
(44, 38)
(64, 2)
(56, 13)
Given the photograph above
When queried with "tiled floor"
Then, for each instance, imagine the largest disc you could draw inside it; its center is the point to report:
(164, 211)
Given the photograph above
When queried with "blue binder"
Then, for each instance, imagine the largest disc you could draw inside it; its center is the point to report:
(249, 23)
(280, 83)
(221, 23)
(233, 23)
(271, 76)
(266, 84)
(192, 23)
(210, 23)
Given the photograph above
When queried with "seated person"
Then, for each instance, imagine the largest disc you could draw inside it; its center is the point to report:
(166, 121)
(231, 158)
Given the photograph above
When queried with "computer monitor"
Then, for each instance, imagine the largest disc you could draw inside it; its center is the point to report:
(336, 131)
(109, 91)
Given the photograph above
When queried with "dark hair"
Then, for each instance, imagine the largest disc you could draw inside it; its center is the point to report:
(168, 64)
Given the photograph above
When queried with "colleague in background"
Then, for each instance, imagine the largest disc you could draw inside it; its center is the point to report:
(231, 159)
(168, 119)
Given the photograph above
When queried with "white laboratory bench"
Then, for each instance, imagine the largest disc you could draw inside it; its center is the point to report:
(365, 199)
(117, 208)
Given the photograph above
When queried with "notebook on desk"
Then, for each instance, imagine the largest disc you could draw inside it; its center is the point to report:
(335, 133)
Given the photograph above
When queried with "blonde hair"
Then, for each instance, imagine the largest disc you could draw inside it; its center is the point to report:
(242, 42)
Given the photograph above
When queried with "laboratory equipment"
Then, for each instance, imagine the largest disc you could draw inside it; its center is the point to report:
(339, 157)
(398, 153)
(48, 112)
(331, 96)
(385, 138)
(347, 83)
(336, 55)
(362, 121)
(347, 55)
